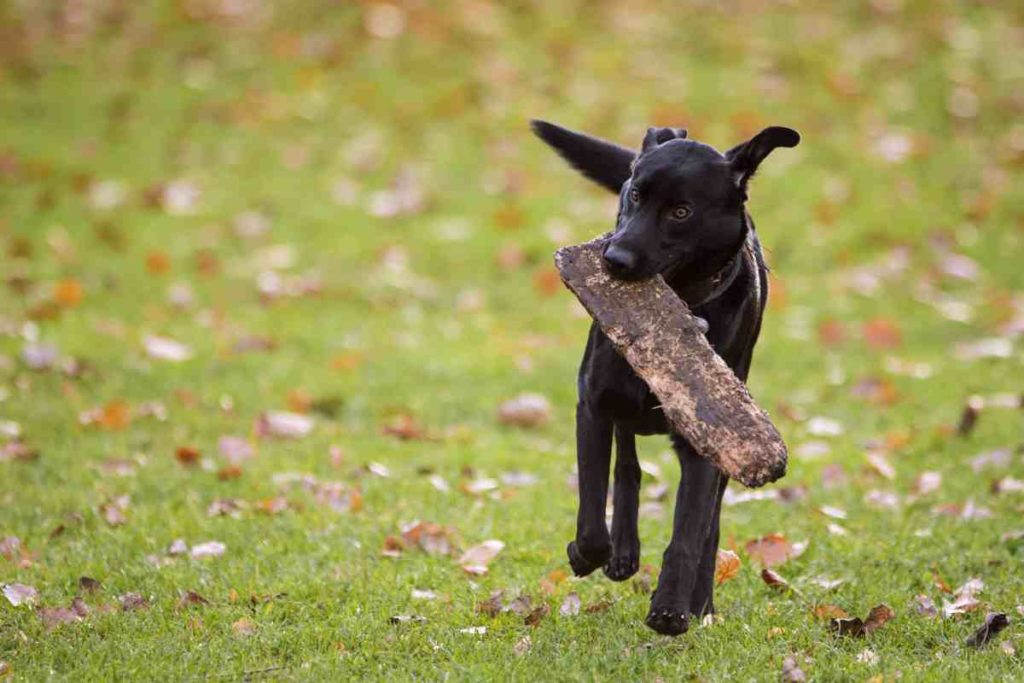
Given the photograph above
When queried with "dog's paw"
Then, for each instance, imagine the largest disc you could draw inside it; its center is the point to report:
(584, 564)
(621, 567)
(668, 622)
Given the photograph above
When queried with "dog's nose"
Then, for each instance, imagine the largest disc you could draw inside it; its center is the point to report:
(619, 261)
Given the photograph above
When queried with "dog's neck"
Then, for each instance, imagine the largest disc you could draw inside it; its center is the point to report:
(717, 274)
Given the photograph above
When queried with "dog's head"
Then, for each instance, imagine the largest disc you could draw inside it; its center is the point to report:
(681, 202)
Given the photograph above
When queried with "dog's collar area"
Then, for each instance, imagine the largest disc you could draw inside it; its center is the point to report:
(700, 292)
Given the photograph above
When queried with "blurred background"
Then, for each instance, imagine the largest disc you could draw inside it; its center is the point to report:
(217, 212)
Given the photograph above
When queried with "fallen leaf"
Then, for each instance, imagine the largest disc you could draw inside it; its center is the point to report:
(235, 449)
(791, 672)
(190, 598)
(774, 580)
(68, 293)
(89, 584)
(927, 482)
(881, 333)
(55, 616)
(727, 566)
(187, 455)
(570, 606)
(207, 550)
(856, 627)
(525, 410)
(493, 605)
(475, 559)
(131, 602)
(431, 538)
(165, 348)
(20, 594)
(773, 549)
(925, 606)
(536, 615)
(474, 630)
(867, 656)
(994, 623)
(418, 594)
(284, 425)
(113, 511)
(404, 427)
(522, 646)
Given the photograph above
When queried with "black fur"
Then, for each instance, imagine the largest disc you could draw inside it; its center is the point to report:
(682, 214)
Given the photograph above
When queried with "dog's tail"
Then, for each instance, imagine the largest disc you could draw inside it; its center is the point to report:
(606, 163)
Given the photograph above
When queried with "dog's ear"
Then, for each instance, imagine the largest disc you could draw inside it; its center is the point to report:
(657, 136)
(605, 163)
(746, 157)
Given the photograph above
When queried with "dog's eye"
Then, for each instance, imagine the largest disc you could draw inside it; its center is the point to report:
(634, 195)
(681, 213)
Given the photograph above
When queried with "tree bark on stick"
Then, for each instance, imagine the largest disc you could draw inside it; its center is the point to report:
(701, 397)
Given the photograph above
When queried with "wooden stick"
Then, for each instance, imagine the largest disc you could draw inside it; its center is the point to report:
(702, 398)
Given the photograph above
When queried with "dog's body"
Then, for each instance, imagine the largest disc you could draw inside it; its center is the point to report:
(681, 214)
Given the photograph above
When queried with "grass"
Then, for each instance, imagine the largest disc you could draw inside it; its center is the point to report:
(304, 116)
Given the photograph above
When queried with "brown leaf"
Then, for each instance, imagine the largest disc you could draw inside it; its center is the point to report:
(190, 598)
(493, 605)
(774, 580)
(88, 584)
(475, 560)
(727, 566)
(526, 411)
(431, 538)
(187, 455)
(403, 427)
(881, 333)
(599, 606)
(876, 619)
(536, 615)
(133, 601)
(994, 623)
(772, 549)
(68, 293)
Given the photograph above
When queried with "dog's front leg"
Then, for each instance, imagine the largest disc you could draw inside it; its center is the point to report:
(625, 536)
(695, 506)
(592, 546)
(702, 600)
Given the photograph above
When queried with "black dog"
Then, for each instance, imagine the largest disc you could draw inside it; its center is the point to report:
(681, 214)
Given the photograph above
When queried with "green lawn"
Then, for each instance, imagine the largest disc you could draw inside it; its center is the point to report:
(339, 210)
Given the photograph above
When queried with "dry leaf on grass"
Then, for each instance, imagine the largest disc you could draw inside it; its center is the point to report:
(727, 566)
(791, 672)
(284, 425)
(774, 549)
(525, 410)
(475, 560)
(876, 619)
(994, 623)
(570, 606)
(774, 579)
(20, 594)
